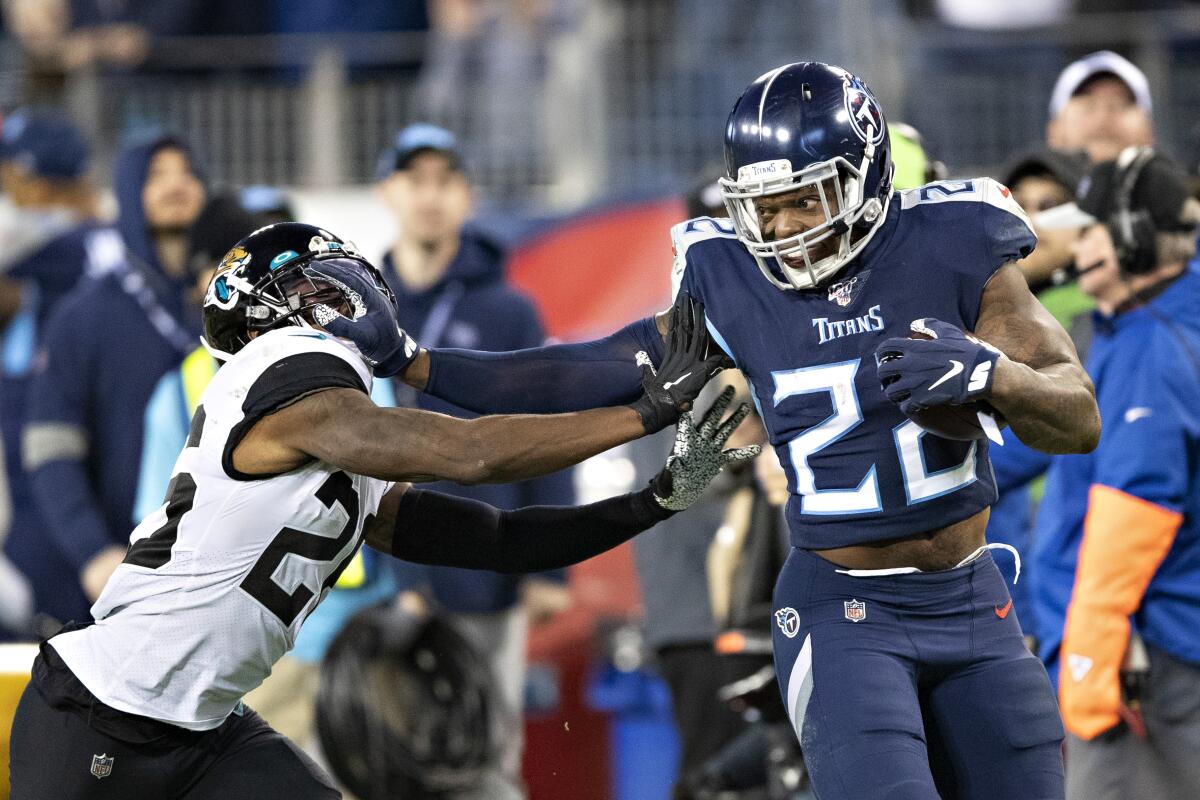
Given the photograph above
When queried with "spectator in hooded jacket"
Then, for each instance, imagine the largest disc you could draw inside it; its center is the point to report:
(449, 283)
(105, 347)
(51, 239)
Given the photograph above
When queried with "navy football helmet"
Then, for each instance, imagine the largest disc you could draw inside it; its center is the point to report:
(808, 124)
(262, 284)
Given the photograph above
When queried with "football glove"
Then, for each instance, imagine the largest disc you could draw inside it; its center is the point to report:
(690, 359)
(372, 326)
(697, 456)
(948, 368)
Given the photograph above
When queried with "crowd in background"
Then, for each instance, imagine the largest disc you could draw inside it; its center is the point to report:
(99, 373)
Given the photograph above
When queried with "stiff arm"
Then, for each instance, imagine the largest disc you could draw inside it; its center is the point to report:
(344, 428)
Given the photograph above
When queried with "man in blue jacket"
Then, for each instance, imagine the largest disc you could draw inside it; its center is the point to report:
(106, 346)
(1117, 542)
(449, 284)
(52, 238)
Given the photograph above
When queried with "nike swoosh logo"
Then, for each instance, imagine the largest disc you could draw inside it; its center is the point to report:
(1003, 612)
(679, 380)
(955, 368)
(1136, 413)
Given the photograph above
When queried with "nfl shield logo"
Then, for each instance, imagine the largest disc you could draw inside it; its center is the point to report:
(855, 610)
(102, 765)
(846, 292)
(842, 293)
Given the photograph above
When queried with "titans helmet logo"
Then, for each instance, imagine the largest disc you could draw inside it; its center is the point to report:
(863, 110)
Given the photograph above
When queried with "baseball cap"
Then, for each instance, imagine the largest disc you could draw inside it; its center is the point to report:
(1161, 189)
(418, 138)
(44, 142)
(1066, 168)
(703, 198)
(1102, 62)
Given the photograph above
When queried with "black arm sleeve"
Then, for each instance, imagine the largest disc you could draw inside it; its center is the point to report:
(434, 528)
(554, 379)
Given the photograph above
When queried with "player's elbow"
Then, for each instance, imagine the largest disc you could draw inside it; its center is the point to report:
(1088, 427)
(1089, 434)
(1082, 435)
(474, 470)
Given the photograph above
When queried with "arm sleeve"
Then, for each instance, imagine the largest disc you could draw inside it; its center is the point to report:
(557, 488)
(166, 430)
(55, 446)
(433, 528)
(1125, 539)
(553, 379)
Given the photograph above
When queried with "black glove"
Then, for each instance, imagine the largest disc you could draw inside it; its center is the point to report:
(691, 358)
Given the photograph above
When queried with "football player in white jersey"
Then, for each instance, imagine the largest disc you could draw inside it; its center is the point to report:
(288, 468)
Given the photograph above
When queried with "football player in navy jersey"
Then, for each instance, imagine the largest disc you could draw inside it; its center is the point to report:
(903, 671)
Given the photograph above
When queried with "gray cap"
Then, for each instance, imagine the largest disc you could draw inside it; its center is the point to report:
(1102, 62)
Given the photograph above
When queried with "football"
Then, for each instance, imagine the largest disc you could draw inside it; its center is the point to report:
(960, 423)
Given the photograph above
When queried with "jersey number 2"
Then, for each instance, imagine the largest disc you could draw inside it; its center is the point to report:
(260, 583)
(838, 380)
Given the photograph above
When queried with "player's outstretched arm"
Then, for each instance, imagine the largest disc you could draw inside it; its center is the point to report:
(1040, 387)
(556, 378)
(343, 427)
(433, 528)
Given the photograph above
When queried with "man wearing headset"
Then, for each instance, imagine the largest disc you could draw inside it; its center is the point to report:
(1117, 546)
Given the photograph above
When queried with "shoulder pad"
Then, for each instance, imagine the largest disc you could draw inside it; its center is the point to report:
(688, 233)
(1008, 232)
(280, 343)
(979, 190)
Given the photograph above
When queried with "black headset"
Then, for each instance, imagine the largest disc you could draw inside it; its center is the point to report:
(1133, 232)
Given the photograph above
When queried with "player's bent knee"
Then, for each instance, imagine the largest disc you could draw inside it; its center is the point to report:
(1026, 722)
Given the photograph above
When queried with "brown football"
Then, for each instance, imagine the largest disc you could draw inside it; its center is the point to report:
(952, 422)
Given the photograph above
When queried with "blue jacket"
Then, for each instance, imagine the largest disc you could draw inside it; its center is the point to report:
(1016, 465)
(472, 307)
(105, 347)
(1146, 367)
(47, 273)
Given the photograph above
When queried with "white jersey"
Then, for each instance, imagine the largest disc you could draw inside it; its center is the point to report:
(219, 579)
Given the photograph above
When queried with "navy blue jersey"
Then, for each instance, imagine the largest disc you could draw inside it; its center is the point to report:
(858, 469)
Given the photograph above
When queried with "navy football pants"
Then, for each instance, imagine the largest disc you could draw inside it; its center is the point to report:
(930, 693)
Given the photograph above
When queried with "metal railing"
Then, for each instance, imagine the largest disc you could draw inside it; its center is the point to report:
(615, 98)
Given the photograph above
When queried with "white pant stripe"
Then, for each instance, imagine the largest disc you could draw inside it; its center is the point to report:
(799, 686)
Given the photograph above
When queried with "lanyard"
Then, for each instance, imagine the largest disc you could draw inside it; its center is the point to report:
(135, 277)
(439, 315)
(431, 334)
